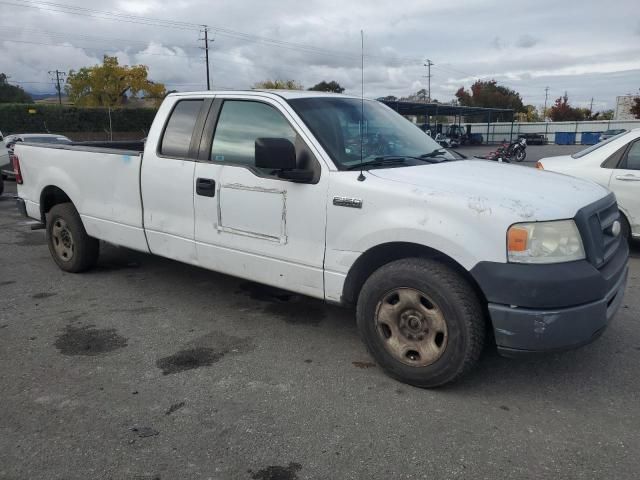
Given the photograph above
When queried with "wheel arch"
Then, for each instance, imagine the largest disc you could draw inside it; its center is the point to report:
(374, 258)
(51, 196)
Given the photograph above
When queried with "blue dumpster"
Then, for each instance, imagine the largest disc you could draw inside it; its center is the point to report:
(589, 138)
(565, 138)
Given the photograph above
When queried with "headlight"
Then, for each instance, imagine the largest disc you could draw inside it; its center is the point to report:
(544, 242)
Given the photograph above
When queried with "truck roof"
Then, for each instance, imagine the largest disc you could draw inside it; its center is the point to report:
(287, 94)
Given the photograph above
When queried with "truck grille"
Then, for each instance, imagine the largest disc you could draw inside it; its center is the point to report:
(594, 222)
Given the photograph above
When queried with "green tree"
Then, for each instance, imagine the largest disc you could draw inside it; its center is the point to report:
(561, 111)
(278, 85)
(331, 86)
(606, 115)
(111, 84)
(488, 94)
(12, 93)
(635, 108)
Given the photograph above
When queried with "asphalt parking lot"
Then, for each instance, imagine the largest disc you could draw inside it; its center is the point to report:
(145, 368)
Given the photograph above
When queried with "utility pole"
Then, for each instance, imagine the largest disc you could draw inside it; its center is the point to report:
(428, 65)
(546, 95)
(58, 88)
(206, 53)
(591, 107)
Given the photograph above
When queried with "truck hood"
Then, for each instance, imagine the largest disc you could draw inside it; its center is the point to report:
(515, 192)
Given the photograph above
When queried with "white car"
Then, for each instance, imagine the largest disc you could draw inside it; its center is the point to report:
(288, 189)
(614, 164)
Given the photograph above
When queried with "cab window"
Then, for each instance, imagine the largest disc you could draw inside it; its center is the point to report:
(239, 125)
(177, 133)
(632, 162)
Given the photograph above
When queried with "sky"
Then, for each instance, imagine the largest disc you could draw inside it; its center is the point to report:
(590, 49)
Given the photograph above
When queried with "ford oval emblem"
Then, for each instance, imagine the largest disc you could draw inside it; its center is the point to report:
(616, 228)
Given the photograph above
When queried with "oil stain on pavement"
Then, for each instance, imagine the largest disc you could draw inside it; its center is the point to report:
(276, 472)
(291, 308)
(188, 360)
(88, 340)
(43, 295)
(203, 352)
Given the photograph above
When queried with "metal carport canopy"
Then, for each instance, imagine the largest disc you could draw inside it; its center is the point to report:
(416, 108)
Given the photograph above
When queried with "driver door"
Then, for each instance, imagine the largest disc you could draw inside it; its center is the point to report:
(255, 225)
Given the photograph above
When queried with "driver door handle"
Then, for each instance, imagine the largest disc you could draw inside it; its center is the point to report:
(206, 187)
(630, 177)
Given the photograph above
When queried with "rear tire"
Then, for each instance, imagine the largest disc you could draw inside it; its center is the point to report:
(70, 246)
(421, 321)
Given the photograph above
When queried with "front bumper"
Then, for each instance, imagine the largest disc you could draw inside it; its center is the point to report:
(552, 307)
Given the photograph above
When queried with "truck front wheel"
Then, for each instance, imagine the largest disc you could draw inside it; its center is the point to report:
(422, 321)
(70, 246)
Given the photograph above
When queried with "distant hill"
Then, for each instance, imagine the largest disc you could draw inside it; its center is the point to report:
(40, 96)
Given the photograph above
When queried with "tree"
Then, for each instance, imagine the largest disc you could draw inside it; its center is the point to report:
(12, 93)
(635, 108)
(488, 94)
(111, 84)
(331, 86)
(561, 111)
(606, 115)
(530, 114)
(278, 85)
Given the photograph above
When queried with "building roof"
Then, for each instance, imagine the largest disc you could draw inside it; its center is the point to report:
(416, 108)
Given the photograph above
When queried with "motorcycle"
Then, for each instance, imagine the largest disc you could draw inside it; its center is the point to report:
(509, 151)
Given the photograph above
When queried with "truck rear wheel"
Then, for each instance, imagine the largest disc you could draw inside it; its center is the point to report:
(70, 246)
(421, 321)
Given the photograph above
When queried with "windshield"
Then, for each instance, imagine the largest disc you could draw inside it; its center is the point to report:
(336, 123)
(592, 148)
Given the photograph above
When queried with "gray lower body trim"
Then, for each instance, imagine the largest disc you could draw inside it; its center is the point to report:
(534, 330)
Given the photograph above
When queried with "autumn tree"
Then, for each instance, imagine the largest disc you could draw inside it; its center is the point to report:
(12, 93)
(111, 84)
(561, 111)
(635, 108)
(331, 86)
(278, 85)
(488, 94)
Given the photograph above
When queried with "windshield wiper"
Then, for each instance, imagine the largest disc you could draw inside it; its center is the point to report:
(437, 153)
(390, 160)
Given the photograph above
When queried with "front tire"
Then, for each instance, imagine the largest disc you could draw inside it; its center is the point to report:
(421, 321)
(521, 155)
(70, 246)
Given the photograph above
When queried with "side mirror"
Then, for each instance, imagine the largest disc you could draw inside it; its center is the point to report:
(275, 154)
(280, 154)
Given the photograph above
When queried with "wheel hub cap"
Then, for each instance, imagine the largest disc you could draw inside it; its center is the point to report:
(411, 326)
(62, 240)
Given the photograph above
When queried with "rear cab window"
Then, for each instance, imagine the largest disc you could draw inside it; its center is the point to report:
(178, 132)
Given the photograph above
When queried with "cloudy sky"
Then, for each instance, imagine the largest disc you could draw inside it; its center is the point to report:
(588, 48)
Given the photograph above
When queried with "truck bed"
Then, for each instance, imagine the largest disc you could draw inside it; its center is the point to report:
(102, 179)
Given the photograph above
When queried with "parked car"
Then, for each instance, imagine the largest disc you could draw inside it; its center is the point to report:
(610, 133)
(11, 140)
(432, 251)
(614, 164)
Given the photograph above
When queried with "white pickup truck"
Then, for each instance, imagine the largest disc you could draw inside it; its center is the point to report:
(342, 199)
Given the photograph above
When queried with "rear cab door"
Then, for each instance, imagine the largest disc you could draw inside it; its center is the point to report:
(625, 183)
(167, 177)
(256, 225)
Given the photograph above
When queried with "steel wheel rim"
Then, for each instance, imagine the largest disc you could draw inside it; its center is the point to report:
(62, 240)
(411, 326)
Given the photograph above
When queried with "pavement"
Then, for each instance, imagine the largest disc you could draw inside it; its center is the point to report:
(145, 368)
